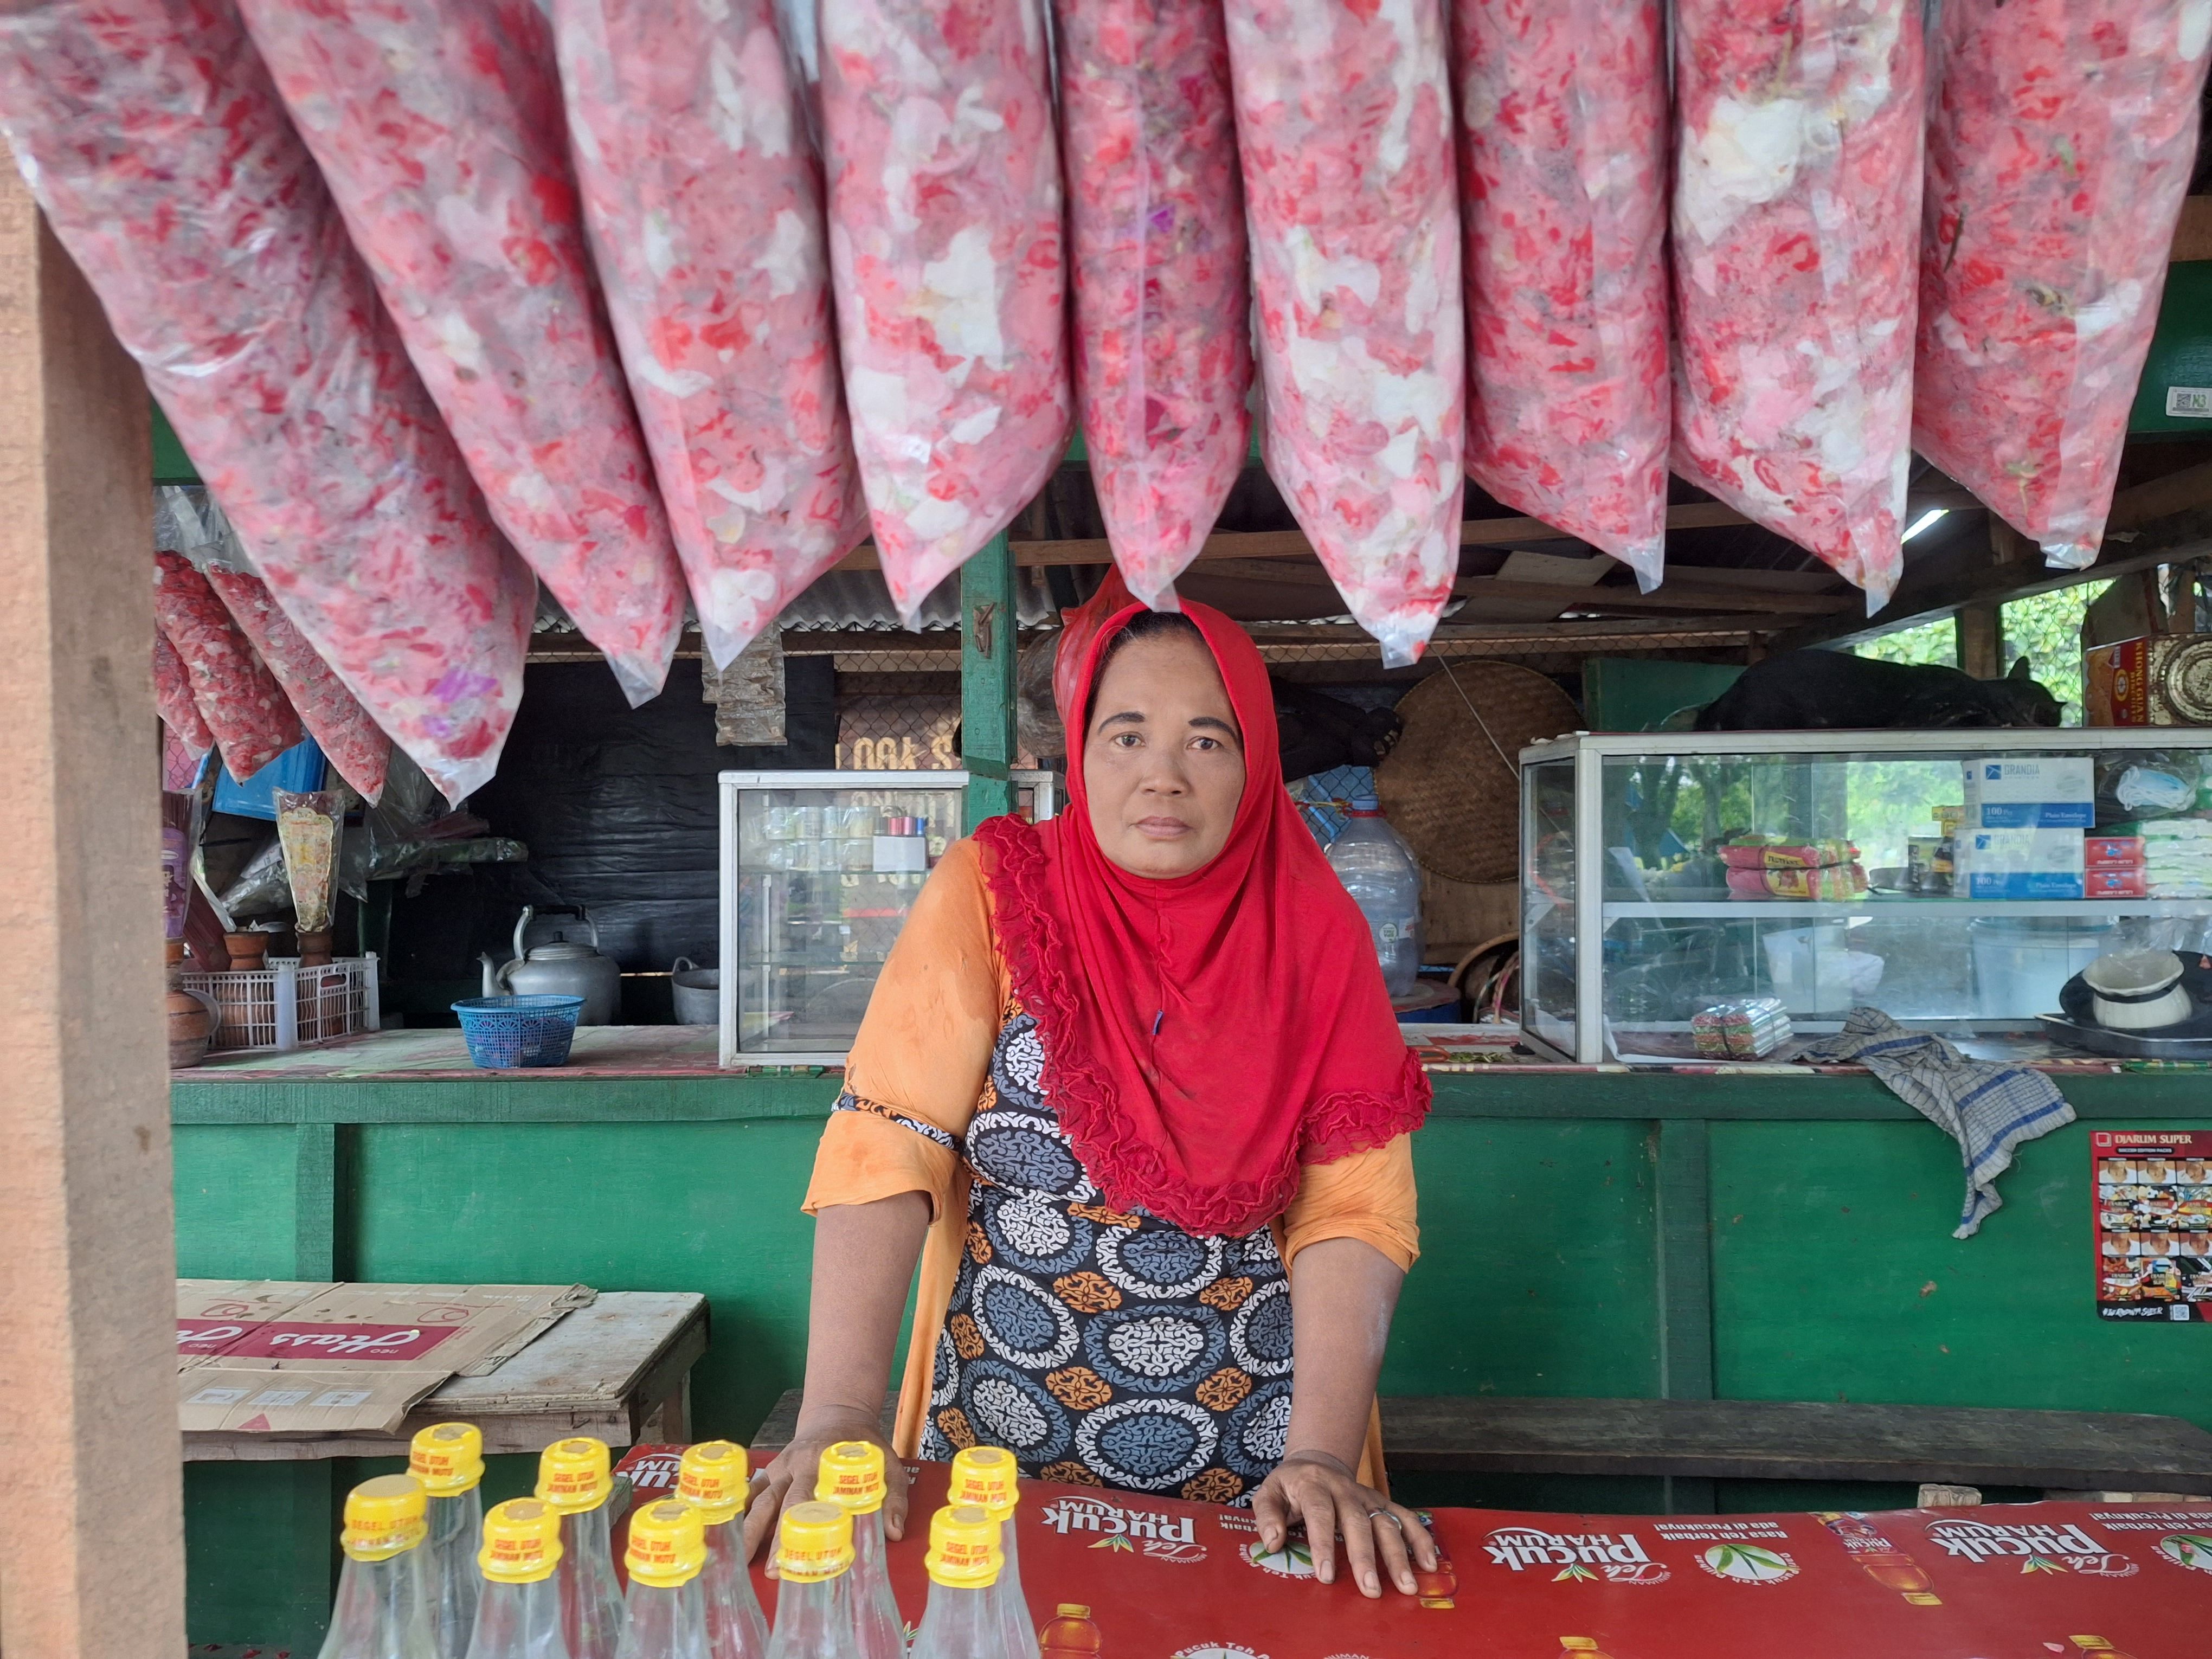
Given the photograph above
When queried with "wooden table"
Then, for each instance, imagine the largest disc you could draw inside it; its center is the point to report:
(619, 1370)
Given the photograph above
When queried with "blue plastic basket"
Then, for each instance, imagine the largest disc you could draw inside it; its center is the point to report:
(504, 1032)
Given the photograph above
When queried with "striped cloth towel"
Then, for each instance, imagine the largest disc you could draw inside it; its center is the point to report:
(1988, 1109)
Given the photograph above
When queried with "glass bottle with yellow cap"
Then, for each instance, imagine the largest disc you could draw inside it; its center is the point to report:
(813, 1563)
(666, 1601)
(962, 1620)
(519, 1612)
(574, 1479)
(712, 1480)
(985, 1477)
(447, 1458)
(852, 1476)
(381, 1611)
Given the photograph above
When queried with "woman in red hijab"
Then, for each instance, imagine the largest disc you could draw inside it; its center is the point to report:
(1130, 1089)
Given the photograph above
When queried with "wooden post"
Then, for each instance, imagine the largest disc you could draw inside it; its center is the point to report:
(987, 678)
(1981, 641)
(91, 1528)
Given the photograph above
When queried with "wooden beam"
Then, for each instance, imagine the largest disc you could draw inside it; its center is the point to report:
(2192, 232)
(1981, 641)
(91, 1531)
(1675, 594)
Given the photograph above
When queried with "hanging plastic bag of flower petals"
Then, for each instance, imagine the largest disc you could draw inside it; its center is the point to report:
(1156, 223)
(341, 727)
(165, 162)
(704, 200)
(438, 124)
(945, 251)
(1563, 187)
(1344, 125)
(252, 721)
(172, 697)
(1796, 223)
(2058, 155)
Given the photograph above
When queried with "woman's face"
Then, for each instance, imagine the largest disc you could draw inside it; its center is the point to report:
(1163, 762)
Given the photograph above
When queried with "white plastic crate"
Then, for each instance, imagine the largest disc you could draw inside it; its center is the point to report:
(284, 1006)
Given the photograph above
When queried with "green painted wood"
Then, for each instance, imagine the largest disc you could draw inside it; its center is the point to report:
(261, 1552)
(987, 625)
(237, 1200)
(171, 464)
(1684, 1284)
(1505, 1092)
(316, 1235)
(1836, 1277)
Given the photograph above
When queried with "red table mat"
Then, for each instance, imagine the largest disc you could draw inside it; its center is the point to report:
(1170, 1580)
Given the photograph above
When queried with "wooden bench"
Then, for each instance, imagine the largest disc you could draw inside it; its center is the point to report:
(619, 1368)
(1770, 1440)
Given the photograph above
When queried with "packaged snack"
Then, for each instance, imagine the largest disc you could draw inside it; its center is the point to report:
(1748, 1030)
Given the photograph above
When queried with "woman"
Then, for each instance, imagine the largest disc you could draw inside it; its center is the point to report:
(1134, 1073)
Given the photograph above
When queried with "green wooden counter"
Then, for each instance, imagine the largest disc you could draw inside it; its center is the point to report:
(1756, 1234)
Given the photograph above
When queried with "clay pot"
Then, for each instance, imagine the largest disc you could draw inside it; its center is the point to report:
(190, 1016)
(315, 949)
(249, 952)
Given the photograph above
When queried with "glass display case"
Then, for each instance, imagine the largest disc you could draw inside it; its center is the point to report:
(1956, 880)
(818, 871)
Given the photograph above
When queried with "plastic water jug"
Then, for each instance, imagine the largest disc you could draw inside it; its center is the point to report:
(1378, 870)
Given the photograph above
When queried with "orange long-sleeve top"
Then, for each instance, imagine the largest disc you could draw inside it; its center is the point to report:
(924, 1052)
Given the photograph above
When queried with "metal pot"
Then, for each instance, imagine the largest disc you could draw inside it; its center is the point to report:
(563, 968)
(697, 992)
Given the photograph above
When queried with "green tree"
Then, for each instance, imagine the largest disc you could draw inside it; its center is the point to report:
(1930, 643)
(2046, 629)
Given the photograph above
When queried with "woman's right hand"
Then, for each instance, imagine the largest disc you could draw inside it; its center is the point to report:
(790, 1477)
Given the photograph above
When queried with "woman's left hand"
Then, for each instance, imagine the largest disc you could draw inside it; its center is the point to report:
(1318, 1489)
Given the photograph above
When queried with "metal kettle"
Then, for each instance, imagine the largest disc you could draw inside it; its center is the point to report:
(563, 968)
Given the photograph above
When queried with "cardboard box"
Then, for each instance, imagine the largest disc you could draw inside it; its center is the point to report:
(2033, 792)
(2163, 680)
(2021, 864)
(269, 1356)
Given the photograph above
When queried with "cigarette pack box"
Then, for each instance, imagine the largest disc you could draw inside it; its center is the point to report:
(2112, 881)
(2113, 853)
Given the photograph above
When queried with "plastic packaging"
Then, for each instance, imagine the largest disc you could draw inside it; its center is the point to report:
(380, 1611)
(1155, 227)
(308, 825)
(987, 1478)
(945, 250)
(438, 126)
(1563, 180)
(711, 1477)
(704, 201)
(173, 696)
(518, 1608)
(961, 1619)
(237, 696)
(226, 272)
(1377, 869)
(2059, 153)
(666, 1600)
(332, 715)
(1344, 123)
(851, 1475)
(1796, 224)
(813, 1560)
(573, 1479)
(447, 1458)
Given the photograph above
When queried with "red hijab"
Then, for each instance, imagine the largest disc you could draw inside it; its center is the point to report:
(1204, 1035)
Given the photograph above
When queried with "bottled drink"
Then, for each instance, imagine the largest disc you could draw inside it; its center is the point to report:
(1579, 1647)
(813, 1562)
(1378, 870)
(667, 1603)
(1072, 1635)
(851, 1476)
(2096, 1647)
(1879, 1558)
(962, 1620)
(573, 1480)
(519, 1610)
(447, 1458)
(381, 1611)
(712, 1480)
(985, 1478)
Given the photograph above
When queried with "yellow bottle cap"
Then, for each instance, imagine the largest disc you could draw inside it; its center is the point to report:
(852, 1475)
(571, 1474)
(667, 1545)
(521, 1542)
(384, 1517)
(1074, 1610)
(447, 1458)
(964, 1547)
(984, 1477)
(815, 1543)
(712, 1480)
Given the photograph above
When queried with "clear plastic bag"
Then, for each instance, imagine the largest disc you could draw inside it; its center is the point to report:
(2058, 152)
(1796, 223)
(1156, 226)
(173, 697)
(226, 272)
(310, 824)
(945, 254)
(1345, 128)
(704, 199)
(247, 711)
(1563, 180)
(438, 126)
